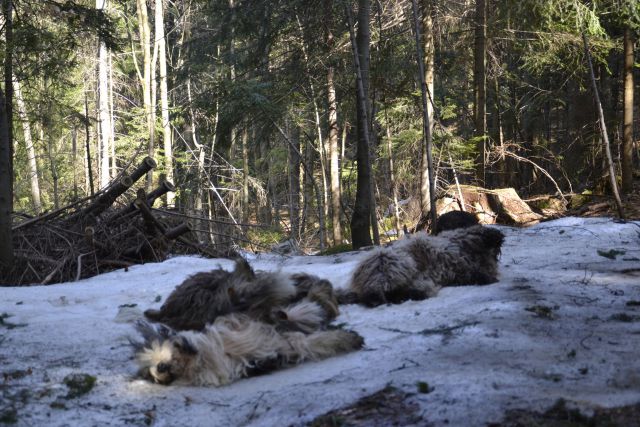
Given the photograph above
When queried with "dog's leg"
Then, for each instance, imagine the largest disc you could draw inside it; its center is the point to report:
(320, 345)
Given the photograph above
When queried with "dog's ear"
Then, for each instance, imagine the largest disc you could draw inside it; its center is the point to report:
(243, 269)
(152, 333)
(184, 346)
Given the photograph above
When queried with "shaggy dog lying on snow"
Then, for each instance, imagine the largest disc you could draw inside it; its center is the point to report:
(298, 302)
(232, 347)
(417, 267)
(239, 323)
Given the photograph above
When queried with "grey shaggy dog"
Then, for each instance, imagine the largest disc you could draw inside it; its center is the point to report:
(416, 268)
(232, 347)
(299, 302)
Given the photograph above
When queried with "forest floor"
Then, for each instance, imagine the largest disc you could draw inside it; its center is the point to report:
(554, 342)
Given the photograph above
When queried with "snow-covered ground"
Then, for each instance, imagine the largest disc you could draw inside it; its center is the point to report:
(562, 322)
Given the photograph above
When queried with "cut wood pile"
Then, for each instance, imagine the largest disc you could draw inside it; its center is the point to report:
(115, 228)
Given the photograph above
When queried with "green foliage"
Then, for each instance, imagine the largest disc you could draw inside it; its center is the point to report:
(266, 237)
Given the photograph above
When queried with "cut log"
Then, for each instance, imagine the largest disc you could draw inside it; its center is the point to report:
(147, 164)
(502, 206)
(163, 189)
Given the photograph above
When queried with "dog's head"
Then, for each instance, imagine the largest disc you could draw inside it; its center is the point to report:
(165, 356)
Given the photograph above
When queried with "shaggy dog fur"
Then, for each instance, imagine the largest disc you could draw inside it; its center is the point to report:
(300, 302)
(455, 219)
(234, 346)
(416, 268)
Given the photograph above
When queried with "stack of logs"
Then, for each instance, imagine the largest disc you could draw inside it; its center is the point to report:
(96, 235)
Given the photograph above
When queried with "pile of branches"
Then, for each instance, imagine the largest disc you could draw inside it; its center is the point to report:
(99, 234)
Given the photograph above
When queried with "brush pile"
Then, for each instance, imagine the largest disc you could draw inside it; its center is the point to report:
(110, 230)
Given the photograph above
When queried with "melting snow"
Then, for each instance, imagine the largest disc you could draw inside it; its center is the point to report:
(562, 322)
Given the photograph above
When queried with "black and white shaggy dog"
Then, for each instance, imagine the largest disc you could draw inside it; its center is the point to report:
(298, 302)
(417, 267)
(232, 347)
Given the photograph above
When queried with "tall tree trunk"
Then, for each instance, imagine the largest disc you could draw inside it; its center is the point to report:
(294, 181)
(6, 142)
(54, 169)
(334, 154)
(104, 116)
(112, 143)
(87, 146)
(31, 152)
(603, 129)
(6, 182)
(334, 165)
(627, 139)
(164, 99)
(145, 42)
(427, 76)
(245, 174)
(480, 86)
(364, 208)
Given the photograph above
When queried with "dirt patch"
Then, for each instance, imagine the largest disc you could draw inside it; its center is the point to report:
(387, 407)
(559, 415)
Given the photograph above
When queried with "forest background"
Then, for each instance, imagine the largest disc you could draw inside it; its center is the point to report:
(312, 121)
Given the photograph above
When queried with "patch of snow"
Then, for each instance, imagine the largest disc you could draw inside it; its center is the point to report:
(556, 325)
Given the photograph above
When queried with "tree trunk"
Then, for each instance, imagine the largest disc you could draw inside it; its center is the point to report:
(6, 142)
(480, 87)
(361, 223)
(427, 187)
(104, 116)
(332, 142)
(31, 152)
(245, 174)
(627, 139)
(603, 130)
(164, 99)
(334, 154)
(145, 42)
(294, 181)
(87, 141)
(6, 180)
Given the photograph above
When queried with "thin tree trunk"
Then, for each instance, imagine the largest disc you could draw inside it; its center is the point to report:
(428, 67)
(245, 174)
(89, 171)
(603, 129)
(394, 185)
(112, 142)
(427, 168)
(6, 179)
(54, 171)
(74, 161)
(334, 154)
(6, 142)
(31, 152)
(364, 207)
(627, 138)
(164, 99)
(480, 87)
(294, 181)
(145, 42)
(104, 117)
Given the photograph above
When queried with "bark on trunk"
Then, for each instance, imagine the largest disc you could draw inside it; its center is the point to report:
(32, 164)
(104, 116)
(480, 86)
(627, 139)
(145, 42)
(6, 183)
(164, 99)
(361, 223)
(294, 182)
